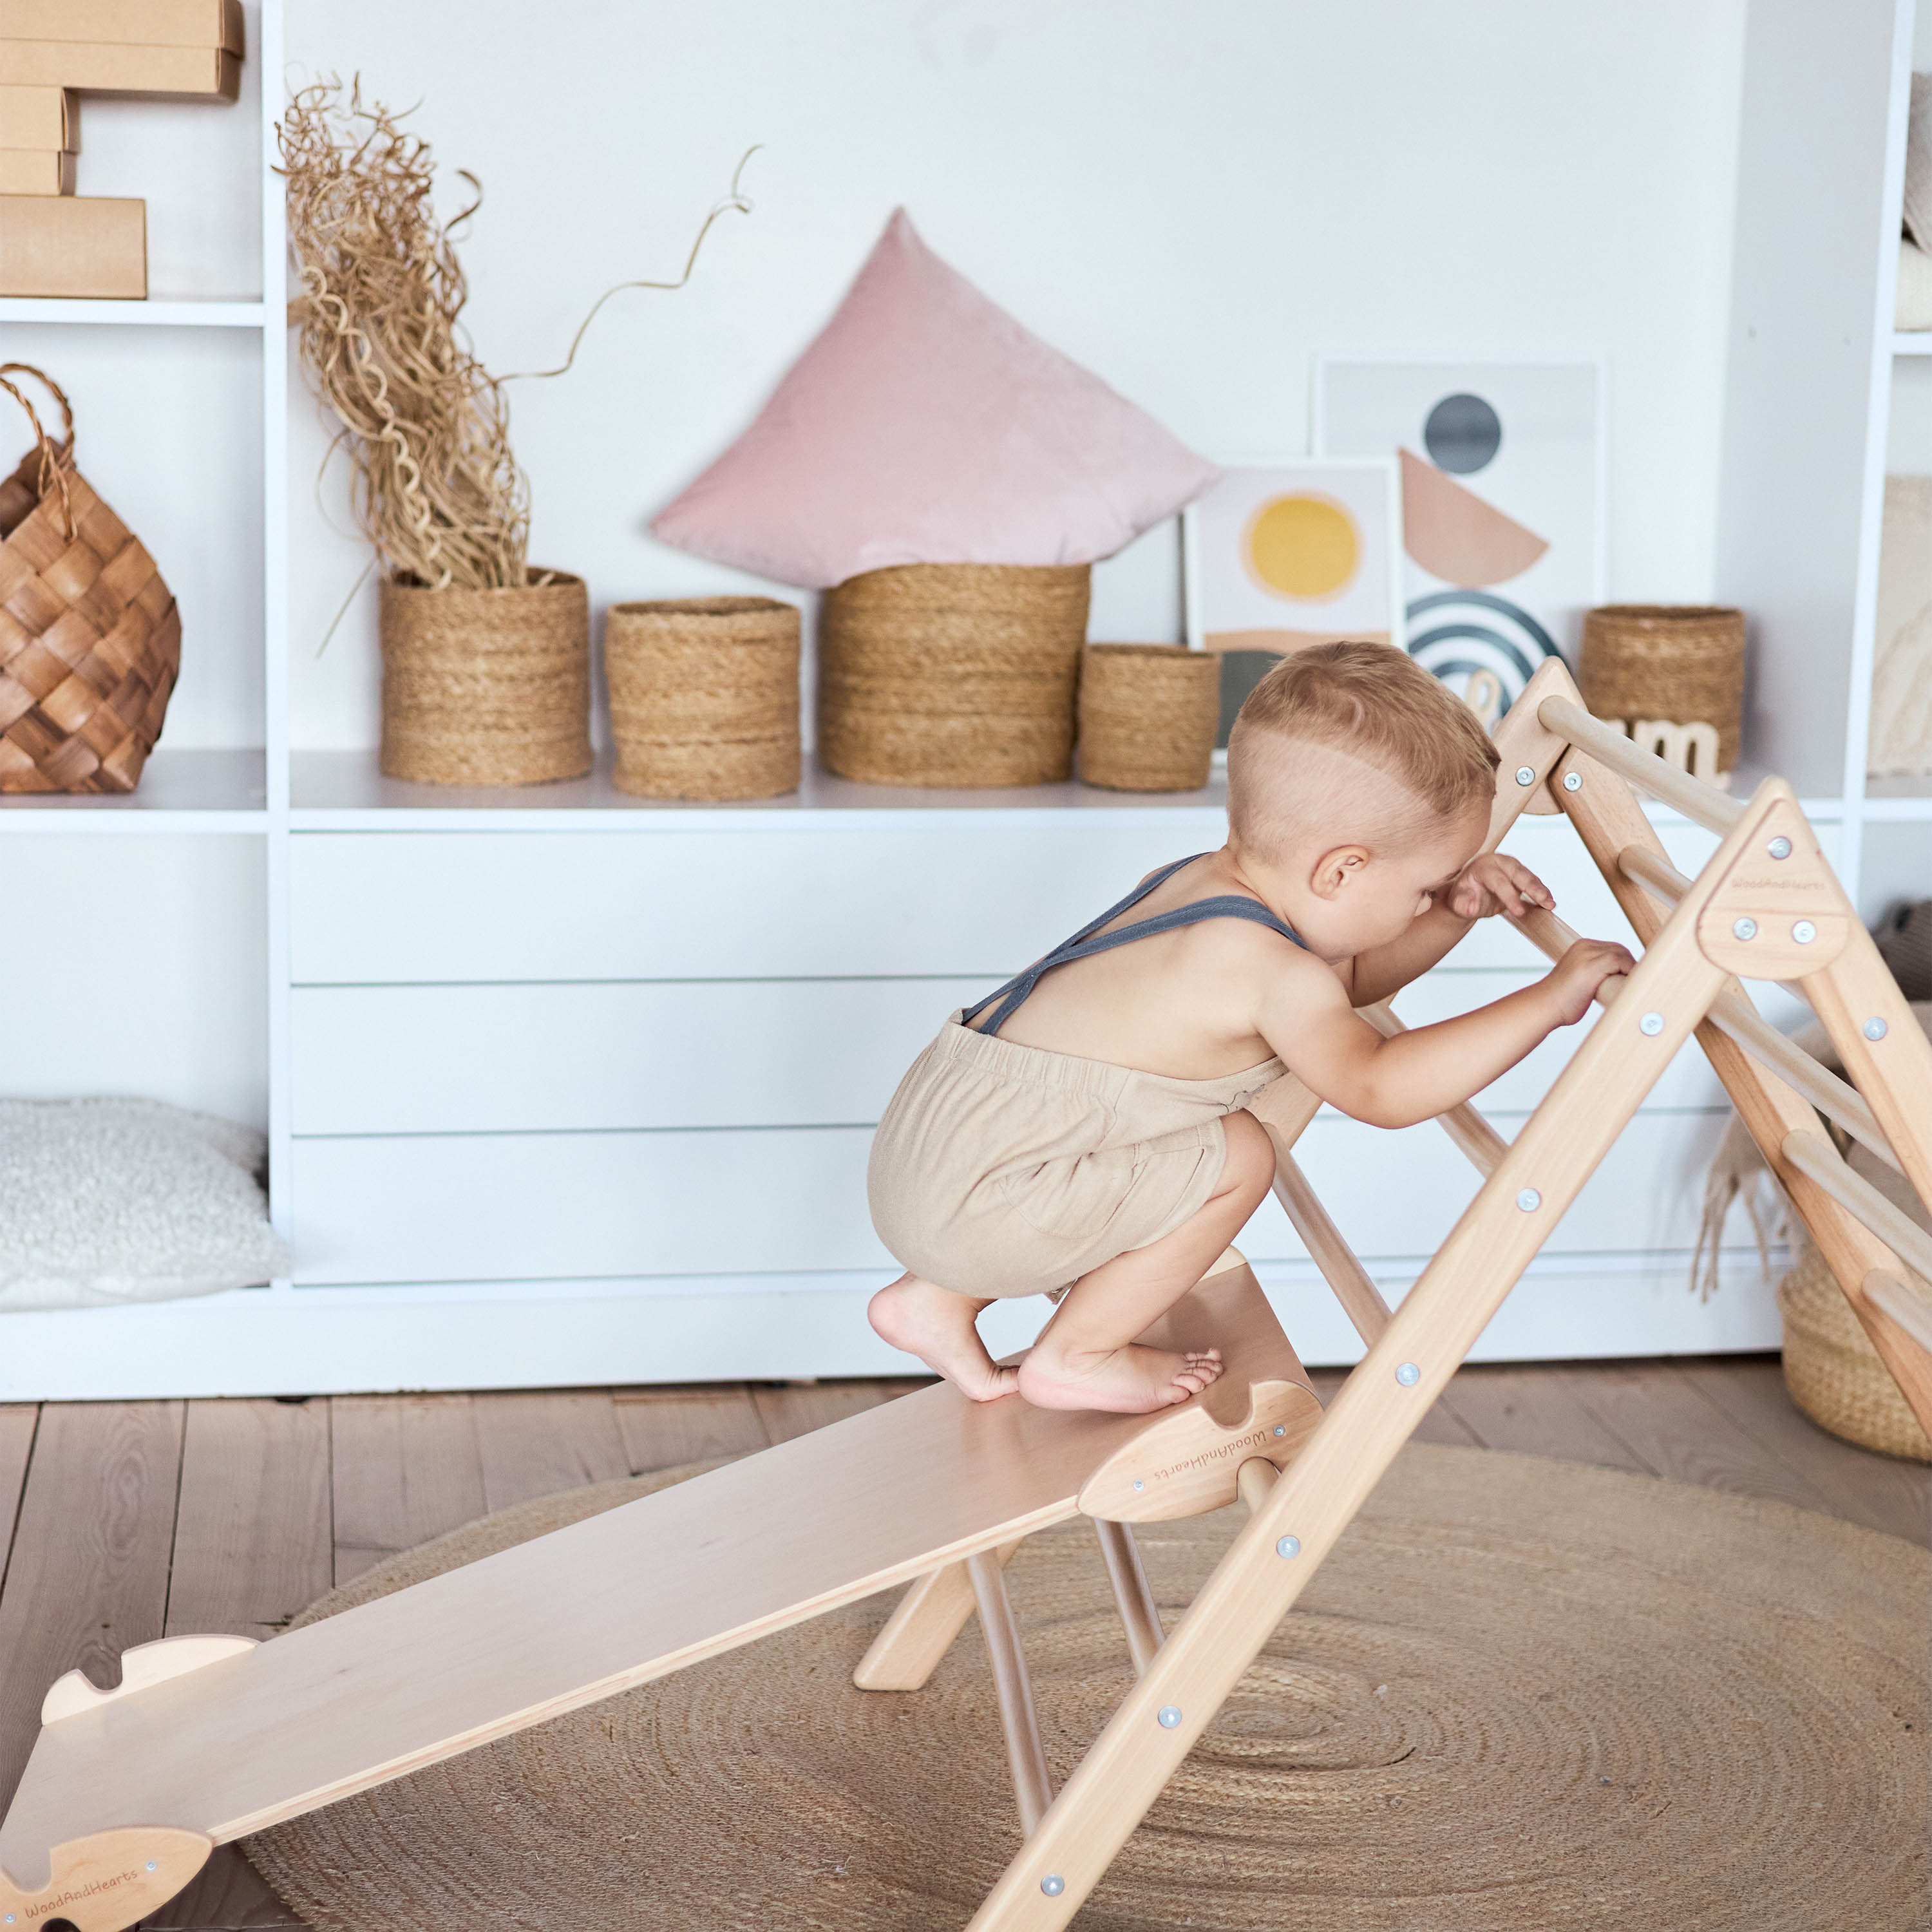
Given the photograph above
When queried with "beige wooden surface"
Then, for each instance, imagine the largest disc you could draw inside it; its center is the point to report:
(396, 1684)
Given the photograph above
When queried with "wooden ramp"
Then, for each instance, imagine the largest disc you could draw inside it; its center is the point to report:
(210, 1738)
(126, 1793)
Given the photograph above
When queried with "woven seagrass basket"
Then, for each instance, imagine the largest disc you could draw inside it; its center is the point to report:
(704, 696)
(1148, 716)
(952, 673)
(486, 687)
(1673, 664)
(1833, 1371)
(90, 638)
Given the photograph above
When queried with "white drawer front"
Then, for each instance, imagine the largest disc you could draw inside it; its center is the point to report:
(390, 907)
(495, 1059)
(512, 1207)
(668, 1054)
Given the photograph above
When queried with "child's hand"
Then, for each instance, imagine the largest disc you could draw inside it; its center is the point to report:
(1491, 883)
(1573, 982)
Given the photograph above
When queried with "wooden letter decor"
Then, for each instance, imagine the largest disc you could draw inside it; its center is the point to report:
(206, 1741)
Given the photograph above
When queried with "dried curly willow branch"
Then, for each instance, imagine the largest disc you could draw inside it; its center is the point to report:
(436, 488)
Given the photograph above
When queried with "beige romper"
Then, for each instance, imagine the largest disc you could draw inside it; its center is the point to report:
(1001, 1170)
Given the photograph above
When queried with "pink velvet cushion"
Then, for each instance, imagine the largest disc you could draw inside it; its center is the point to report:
(925, 425)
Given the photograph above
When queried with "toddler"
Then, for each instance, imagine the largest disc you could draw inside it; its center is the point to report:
(1081, 1132)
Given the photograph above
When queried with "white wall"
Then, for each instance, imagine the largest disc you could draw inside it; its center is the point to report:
(1193, 201)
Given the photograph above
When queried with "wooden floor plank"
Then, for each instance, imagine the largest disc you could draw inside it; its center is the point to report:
(403, 1469)
(1534, 1411)
(534, 1443)
(1441, 1425)
(1657, 1412)
(17, 1421)
(790, 1409)
(89, 1577)
(664, 1427)
(1882, 1493)
(252, 1539)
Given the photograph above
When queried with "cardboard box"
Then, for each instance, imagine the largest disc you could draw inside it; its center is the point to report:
(24, 172)
(42, 120)
(132, 23)
(62, 245)
(201, 73)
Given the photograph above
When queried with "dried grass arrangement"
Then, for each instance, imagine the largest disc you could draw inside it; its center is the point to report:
(435, 489)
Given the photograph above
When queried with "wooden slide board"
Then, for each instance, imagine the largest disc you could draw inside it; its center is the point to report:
(642, 1590)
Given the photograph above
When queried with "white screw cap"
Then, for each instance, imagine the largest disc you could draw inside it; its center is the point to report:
(1289, 1546)
(1875, 1028)
(1803, 932)
(1744, 928)
(1780, 848)
(1525, 775)
(1170, 1716)
(1053, 1885)
(1573, 781)
(1652, 1024)
(1529, 1201)
(1408, 1375)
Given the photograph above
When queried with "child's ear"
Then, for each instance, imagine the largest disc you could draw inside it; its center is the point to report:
(1334, 870)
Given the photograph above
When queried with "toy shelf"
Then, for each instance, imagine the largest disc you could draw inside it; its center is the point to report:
(243, 313)
(1918, 344)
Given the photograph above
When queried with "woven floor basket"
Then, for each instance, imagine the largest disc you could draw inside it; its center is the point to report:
(704, 696)
(952, 673)
(1680, 663)
(486, 687)
(90, 638)
(1148, 714)
(1832, 1370)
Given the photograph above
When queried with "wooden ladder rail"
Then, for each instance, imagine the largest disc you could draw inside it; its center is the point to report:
(1140, 1615)
(1600, 804)
(1381, 1404)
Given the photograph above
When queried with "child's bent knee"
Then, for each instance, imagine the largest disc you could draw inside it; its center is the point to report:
(1249, 1168)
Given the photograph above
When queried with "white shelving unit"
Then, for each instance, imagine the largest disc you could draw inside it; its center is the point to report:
(574, 927)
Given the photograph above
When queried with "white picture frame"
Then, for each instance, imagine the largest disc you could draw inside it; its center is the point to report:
(1201, 577)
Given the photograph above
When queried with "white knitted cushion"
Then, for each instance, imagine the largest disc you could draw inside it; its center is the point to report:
(107, 1201)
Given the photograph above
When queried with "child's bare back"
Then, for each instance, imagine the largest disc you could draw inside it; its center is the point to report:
(1013, 1160)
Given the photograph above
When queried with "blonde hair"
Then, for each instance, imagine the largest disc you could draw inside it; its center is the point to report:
(1375, 703)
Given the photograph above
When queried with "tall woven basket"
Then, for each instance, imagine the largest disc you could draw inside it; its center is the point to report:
(90, 638)
(1148, 716)
(1833, 1371)
(952, 674)
(1670, 664)
(486, 687)
(704, 696)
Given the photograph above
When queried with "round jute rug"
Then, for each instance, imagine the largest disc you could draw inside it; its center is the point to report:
(1521, 1695)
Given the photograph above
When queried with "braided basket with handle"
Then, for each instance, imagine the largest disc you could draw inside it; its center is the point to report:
(90, 638)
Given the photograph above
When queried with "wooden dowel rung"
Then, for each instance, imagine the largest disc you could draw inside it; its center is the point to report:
(1360, 1300)
(922, 1628)
(1140, 1615)
(1256, 1480)
(1697, 800)
(1911, 1312)
(1837, 1099)
(1734, 1016)
(1654, 874)
(1816, 1158)
(1463, 1125)
(1032, 1786)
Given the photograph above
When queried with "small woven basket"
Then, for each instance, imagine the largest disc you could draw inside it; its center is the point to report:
(1148, 716)
(1676, 664)
(1833, 1371)
(952, 673)
(90, 638)
(704, 696)
(486, 687)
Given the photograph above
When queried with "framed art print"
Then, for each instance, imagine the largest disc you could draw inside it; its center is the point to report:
(1501, 467)
(1280, 556)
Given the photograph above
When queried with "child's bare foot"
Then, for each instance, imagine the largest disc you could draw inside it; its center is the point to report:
(937, 1325)
(1127, 1381)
